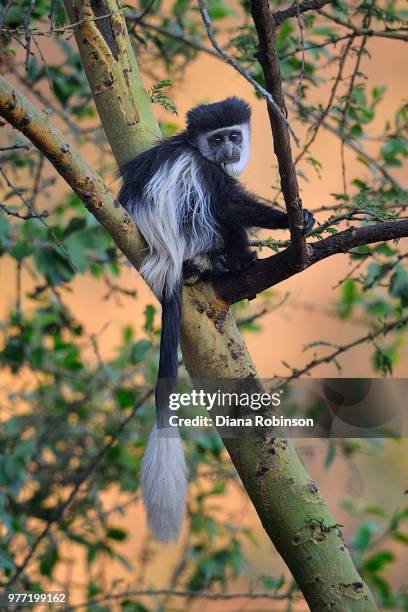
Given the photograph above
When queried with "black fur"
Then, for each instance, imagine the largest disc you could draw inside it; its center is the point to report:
(233, 211)
(233, 208)
(208, 117)
(168, 362)
(137, 172)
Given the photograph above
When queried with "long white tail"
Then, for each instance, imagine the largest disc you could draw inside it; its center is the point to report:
(164, 484)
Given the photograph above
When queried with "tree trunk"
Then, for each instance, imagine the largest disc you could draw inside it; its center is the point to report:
(288, 502)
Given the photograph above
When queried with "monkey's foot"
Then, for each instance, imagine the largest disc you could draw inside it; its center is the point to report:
(192, 280)
(191, 274)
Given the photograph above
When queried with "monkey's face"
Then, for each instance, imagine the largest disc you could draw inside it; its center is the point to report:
(228, 147)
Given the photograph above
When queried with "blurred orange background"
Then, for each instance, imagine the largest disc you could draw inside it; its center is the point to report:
(381, 479)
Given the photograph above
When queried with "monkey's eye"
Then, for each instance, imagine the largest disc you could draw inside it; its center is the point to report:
(235, 137)
(216, 140)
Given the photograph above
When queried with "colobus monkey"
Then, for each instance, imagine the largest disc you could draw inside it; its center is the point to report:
(193, 213)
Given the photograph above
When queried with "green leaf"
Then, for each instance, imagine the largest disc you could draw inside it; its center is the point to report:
(399, 284)
(115, 533)
(125, 397)
(55, 267)
(374, 273)
(5, 229)
(75, 224)
(384, 359)
(272, 583)
(13, 353)
(76, 246)
(378, 307)
(349, 298)
(6, 561)
(21, 250)
(400, 537)
(48, 560)
(379, 561)
(149, 314)
(218, 9)
(157, 96)
(384, 589)
(140, 350)
(394, 149)
(330, 455)
(363, 536)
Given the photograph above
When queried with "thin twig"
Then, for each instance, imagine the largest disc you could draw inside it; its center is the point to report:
(269, 61)
(179, 37)
(15, 148)
(326, 111)
(17, 215)
(62, 29)
(308, 5)
(232, 62)
(346, 109)
(4, 12)
(354, 269)
(304, 110)
(37, 180)
(258, 315)
(140, 16)
(174, 593)
(266, 273)
(86, 474)
(384, 329)
(27, 33)
(302, 45)
(41, 218)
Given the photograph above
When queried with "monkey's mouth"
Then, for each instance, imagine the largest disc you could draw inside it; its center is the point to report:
(234, 159)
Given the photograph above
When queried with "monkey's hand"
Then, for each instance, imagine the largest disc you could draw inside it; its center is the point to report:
(308, 221)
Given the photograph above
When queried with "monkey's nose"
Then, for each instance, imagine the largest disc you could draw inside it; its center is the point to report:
(229, 151)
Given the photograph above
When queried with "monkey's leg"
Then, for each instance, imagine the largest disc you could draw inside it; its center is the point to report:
(204, 267)
(239, 255)
(219, 267)
(194, 268)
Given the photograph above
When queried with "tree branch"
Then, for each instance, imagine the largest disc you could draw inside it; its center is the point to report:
(63, 507)
(383, 330)
(293, 512)
(277, 111)
(132, 18)
(183, 594)
(26, 217)
(114, 76)
(394, 33)
(302, 108)
(351, 144)
(86, 183)
(293, 11)
(272, 270)
(269, 61)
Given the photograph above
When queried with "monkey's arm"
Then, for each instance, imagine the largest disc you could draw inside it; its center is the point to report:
(252, 213)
